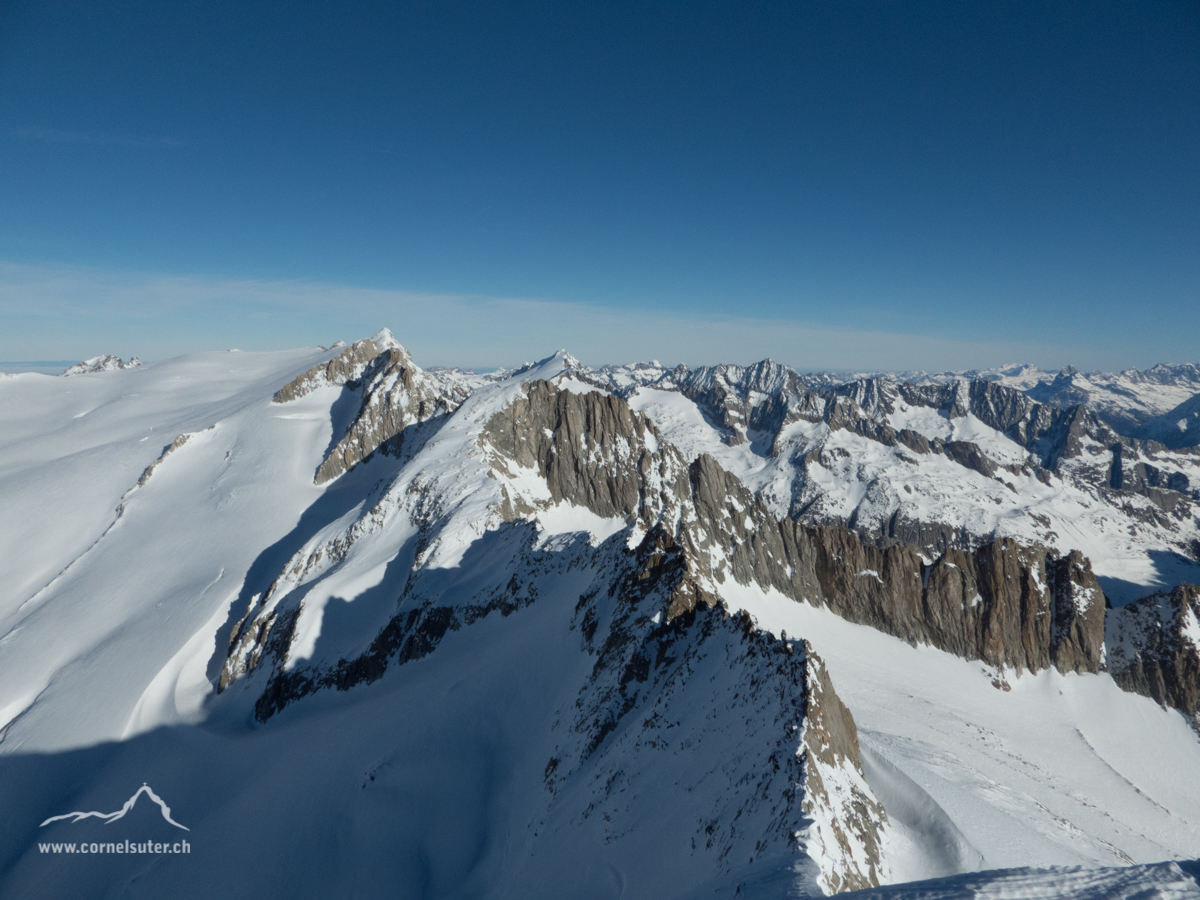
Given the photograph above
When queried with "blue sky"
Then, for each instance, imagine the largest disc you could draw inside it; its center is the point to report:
(835, 185)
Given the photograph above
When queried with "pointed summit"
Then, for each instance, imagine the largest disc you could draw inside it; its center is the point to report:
(568, 361)
(383, 340)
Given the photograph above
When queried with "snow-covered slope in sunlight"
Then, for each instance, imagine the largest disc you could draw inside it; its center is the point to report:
(956, 464)
(1034, 770)
(374, 630)
(108, 570)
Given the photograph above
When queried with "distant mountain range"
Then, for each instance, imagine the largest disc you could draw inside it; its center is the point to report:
(620, 631)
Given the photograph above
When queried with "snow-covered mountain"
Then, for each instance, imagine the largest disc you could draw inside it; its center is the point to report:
(952, 464)
(558, 631)
(106, 363)
(1124, 400)
(1178, 427)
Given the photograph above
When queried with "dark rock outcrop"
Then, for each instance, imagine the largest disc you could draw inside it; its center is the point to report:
(1006, 604)
(772, 726)
(831, 746)
(1012, 606)
(590, 448)
(344, 368)
(1154, 648)
(395, 395)
(179, 441)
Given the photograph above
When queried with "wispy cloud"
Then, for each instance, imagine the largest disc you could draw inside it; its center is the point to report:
(54, 136)
(51, 311)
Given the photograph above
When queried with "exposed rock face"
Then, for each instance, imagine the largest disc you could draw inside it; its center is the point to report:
(102, 364)
(179, 441)
(797, 425)
(1077, 635)
(1006, 604)
(395, 394)
(1154, 648)
(698, 703)
(346, 367)
(847, 818)
(651, 615)
(590, 448)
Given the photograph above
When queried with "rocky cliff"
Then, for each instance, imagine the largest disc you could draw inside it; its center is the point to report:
(1005, 604)
(481, 522)
(392, 394)
(1154, 648)
(935, 465)
(740, 735)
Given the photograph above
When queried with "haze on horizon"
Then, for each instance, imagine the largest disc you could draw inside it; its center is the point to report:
(850, 186)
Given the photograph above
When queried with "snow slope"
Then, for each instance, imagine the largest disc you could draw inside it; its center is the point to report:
(1178, 427)
(1041, 770)
(103, 575)
(925, 469)
(466, 771)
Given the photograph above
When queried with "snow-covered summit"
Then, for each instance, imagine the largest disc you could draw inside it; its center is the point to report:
(383, 340)
(1125, 400)
(102, 364)
(549, 632)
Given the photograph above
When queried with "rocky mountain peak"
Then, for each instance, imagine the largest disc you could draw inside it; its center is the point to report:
(383, 340)
(394, 395)
(104, 363)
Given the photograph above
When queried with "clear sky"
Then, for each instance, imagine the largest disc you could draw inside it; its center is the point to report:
(835, 185)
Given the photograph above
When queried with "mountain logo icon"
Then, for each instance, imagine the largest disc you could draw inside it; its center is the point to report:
(113, 816)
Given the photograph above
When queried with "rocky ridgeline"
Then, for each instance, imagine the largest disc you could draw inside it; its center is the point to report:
(759, 403)
(1154, 648)
(645, 672)
(1050, 434)
(395, 394)
(702, 701)
(1008, 605)
(1003, 603)
(661, 641)
(105, 363)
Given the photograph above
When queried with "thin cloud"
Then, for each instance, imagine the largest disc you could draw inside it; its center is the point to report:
(52, 311)
(99, 138)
